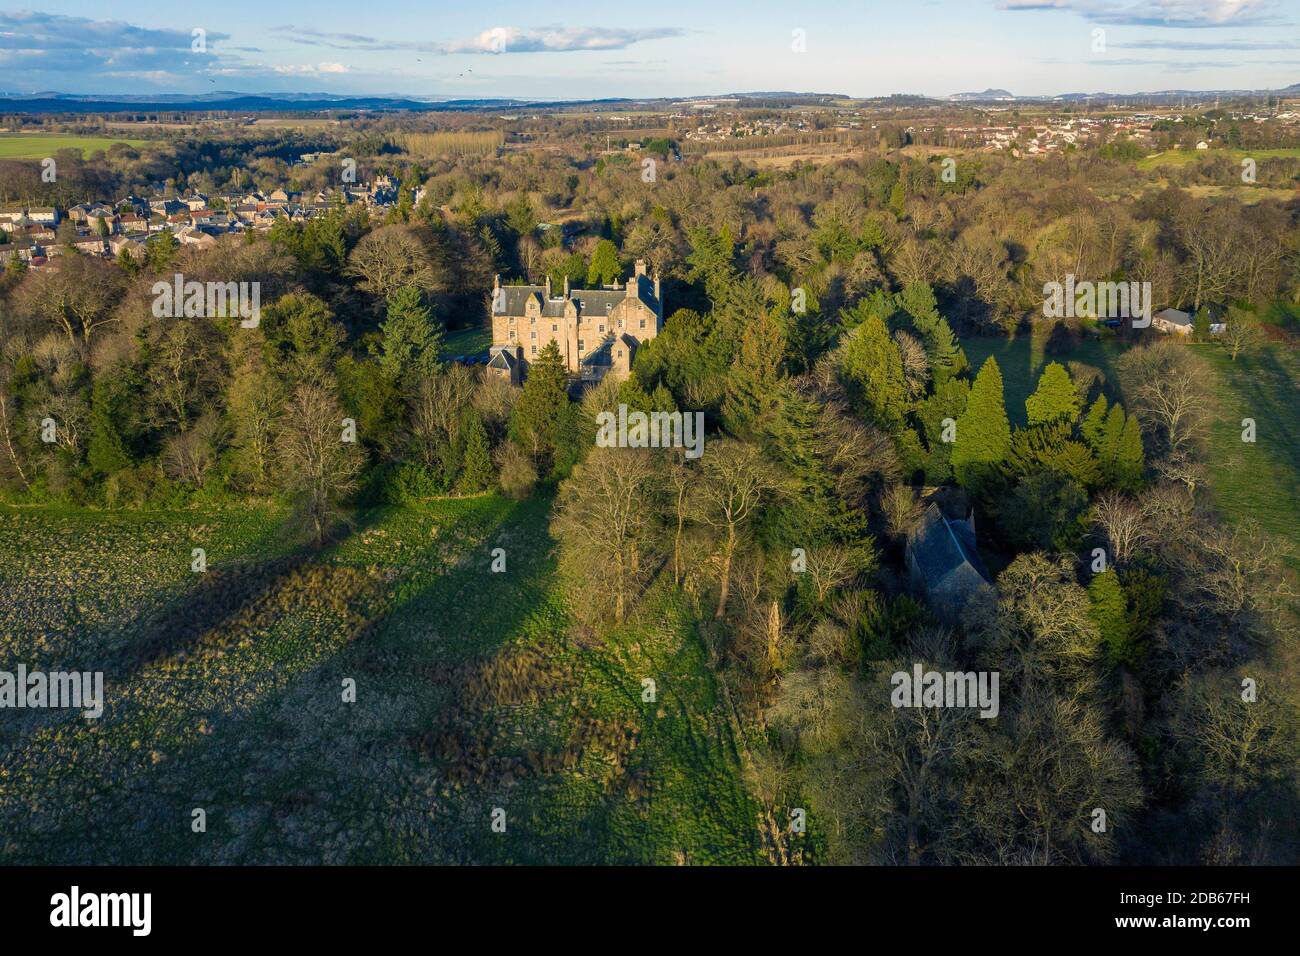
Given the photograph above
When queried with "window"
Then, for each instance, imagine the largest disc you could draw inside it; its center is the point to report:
(581, 345)
(532, 319)
(533, 335)
(602, 329)
(554, 327)
(643, 323)
(533, 350)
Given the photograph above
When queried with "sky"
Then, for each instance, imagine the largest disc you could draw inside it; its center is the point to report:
(562, 49)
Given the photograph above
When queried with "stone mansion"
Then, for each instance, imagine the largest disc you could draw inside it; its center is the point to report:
(597, 330)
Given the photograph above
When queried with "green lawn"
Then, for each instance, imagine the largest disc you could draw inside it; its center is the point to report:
(41, 145)
(466, 342)
(1260, 480)
(474, 691)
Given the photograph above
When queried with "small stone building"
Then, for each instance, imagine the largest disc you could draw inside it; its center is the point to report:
(943, 563)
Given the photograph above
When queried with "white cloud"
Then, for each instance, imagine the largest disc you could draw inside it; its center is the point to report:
(557, 39)
(1158, 13)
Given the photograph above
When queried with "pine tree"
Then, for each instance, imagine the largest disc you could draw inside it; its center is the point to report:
(1055, 399)
(983, 431)
(947, 359)
(1094, 424)
(1110, 613)
(476, 473)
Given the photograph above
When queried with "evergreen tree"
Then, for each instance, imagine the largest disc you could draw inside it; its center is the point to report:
(1129, 459)
(477, 473)
(873, 364)
(1112, 435)
(983, 431)
(1094, 424)
(543, 407)
(1110, 613)
(605, 268)
(410, 338)
(947, 359)
(1055, 399)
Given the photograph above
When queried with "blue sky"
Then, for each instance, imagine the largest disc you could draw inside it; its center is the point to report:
(559, 49)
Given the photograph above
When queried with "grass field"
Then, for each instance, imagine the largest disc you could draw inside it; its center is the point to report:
(474, 691)
(466, 342)
(1182, 157)
(1261, 480)
(41, 145)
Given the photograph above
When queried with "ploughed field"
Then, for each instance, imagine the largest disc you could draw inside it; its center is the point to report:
(474, 693)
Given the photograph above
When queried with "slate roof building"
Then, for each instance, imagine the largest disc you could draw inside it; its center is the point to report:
(943, 563)
(597, 330)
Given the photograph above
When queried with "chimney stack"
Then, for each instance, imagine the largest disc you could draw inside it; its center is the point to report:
(566, 286)
(548, 285)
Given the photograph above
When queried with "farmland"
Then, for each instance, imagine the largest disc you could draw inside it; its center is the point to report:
(41, 145)
(474, 691)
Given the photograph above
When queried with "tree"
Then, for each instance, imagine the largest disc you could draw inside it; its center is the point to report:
(543, 405)
(1055, 398)
(605, 268)
(947, 359)
(317, 466)
(873, 366)
(78, 298)
(391, 257)
(410, 338)
(604, 521)
(1110, 614)
(476, 472)
(1124, 523)
(737, 480)
(983, 431)
(1094, 424)
(1241, 332)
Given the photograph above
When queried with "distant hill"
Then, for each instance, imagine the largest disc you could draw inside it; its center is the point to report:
(985, 97)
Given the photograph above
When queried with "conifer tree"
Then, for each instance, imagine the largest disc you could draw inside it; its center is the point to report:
(873, 364)
(476, 473)
(605, 268)
(947, 359)
(543, 405)
(983, 431)
(1110, 613)
(1129, 459)
(1055, 399)
(1112, 434)
(1094, 424)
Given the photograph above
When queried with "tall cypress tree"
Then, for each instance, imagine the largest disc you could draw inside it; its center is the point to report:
(983, 431)
(541, 412)
(947, 360)
(476, 473)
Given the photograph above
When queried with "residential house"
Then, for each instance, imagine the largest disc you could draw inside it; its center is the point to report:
(1173, 321)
